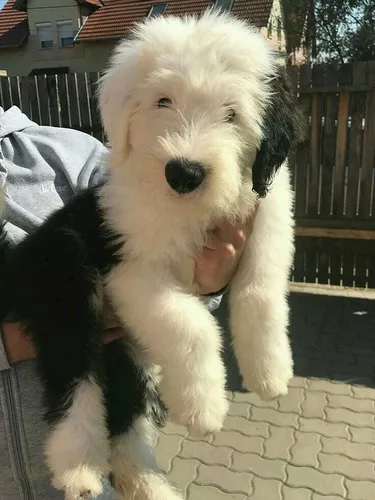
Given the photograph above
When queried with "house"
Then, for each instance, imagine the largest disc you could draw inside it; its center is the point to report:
(60, 36)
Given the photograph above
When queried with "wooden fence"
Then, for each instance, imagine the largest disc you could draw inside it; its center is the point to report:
(65, 100)
(333, 171)
(333, 174)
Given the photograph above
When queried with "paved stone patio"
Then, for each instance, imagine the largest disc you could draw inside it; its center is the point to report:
(316, 443)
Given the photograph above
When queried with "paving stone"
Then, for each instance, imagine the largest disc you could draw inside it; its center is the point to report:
(329, 387)
(306, 477)
(291, 402)
(274, 417)
(316, 496)
(329, 429)
(295, 493)
(168, 446)
(254, 399)
(206, 453)
(360, 490)
(350, 403)
(313, 405)
(362, 435)
(266, 489)
(363, 392)
(298, 382)
(197, 492)
(183, 473)
(305, 449)
(278, 443)
(227, 480)
(345, 447)
(239, 442)
(172, 428)
(259, 466)
(246, 427)
(350, 417)
(347, 467)
(239, 409)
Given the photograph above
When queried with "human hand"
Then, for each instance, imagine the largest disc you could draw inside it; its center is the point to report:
(19, 347)
(217, 264)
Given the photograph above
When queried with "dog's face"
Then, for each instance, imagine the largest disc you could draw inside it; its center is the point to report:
(195, 109)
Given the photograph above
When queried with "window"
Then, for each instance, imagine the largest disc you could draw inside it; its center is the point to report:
(157, 9)
(224, 5)
(65, 31)
(45, 38)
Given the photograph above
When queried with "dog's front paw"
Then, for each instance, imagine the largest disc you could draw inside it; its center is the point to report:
(269, 378)
(80, 483)
(200, 410)
(206, 415)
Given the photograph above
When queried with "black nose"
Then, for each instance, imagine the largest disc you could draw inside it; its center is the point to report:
(183, 175)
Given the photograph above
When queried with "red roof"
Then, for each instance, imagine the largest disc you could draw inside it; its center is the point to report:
(14, 26)
(117, 16)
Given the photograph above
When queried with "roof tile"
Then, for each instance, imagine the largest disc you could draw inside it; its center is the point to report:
(14, 26)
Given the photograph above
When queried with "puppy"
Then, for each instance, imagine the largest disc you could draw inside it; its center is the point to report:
(200, 116)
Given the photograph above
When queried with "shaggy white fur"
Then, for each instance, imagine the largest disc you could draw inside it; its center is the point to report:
(168, 94)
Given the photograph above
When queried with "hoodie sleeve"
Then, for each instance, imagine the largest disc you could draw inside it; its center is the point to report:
(4, 364)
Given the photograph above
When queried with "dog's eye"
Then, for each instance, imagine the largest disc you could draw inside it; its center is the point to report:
(165, 102)
(230, 116)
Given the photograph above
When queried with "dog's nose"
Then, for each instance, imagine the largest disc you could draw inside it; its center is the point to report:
(184, 176)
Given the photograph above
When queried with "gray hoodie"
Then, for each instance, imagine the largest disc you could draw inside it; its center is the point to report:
(40, 169)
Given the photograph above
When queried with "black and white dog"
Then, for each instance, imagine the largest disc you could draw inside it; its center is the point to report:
(200, 116)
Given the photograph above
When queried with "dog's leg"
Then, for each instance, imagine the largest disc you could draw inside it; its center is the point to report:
(77, 448)
(134, 470)
(70, 360)
(133, 404)
(259, 306)
(181, 336)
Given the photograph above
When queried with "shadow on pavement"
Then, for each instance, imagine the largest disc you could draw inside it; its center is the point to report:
(332, 338)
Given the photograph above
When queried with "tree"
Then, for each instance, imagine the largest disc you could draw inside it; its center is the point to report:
(333, 30)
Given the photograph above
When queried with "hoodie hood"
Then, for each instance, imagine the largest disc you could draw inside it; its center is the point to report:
(13, 120)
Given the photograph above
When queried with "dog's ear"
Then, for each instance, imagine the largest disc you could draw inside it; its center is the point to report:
(115, 92)
(282, 130)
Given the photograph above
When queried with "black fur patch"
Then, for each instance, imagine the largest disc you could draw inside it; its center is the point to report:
(52, 283)
(282, 131)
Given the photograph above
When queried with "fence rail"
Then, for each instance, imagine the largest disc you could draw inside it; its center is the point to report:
(333, 171)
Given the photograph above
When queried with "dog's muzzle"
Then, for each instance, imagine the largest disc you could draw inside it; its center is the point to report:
(184, 176)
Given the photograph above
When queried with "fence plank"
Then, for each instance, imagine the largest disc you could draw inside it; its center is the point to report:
(43, 99)
(357, 107)
(73, 101)
(329, 144)
(13, 82)
(299, 261)
(368, 150)
(63, 100)
(93, 79)
(302, 156)
(34, 100)
(340, 159)
(318, 79)
(25, 95)
(335, 263)
(6, 101)
(83, 102)
(53, 100)
(371, 152)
